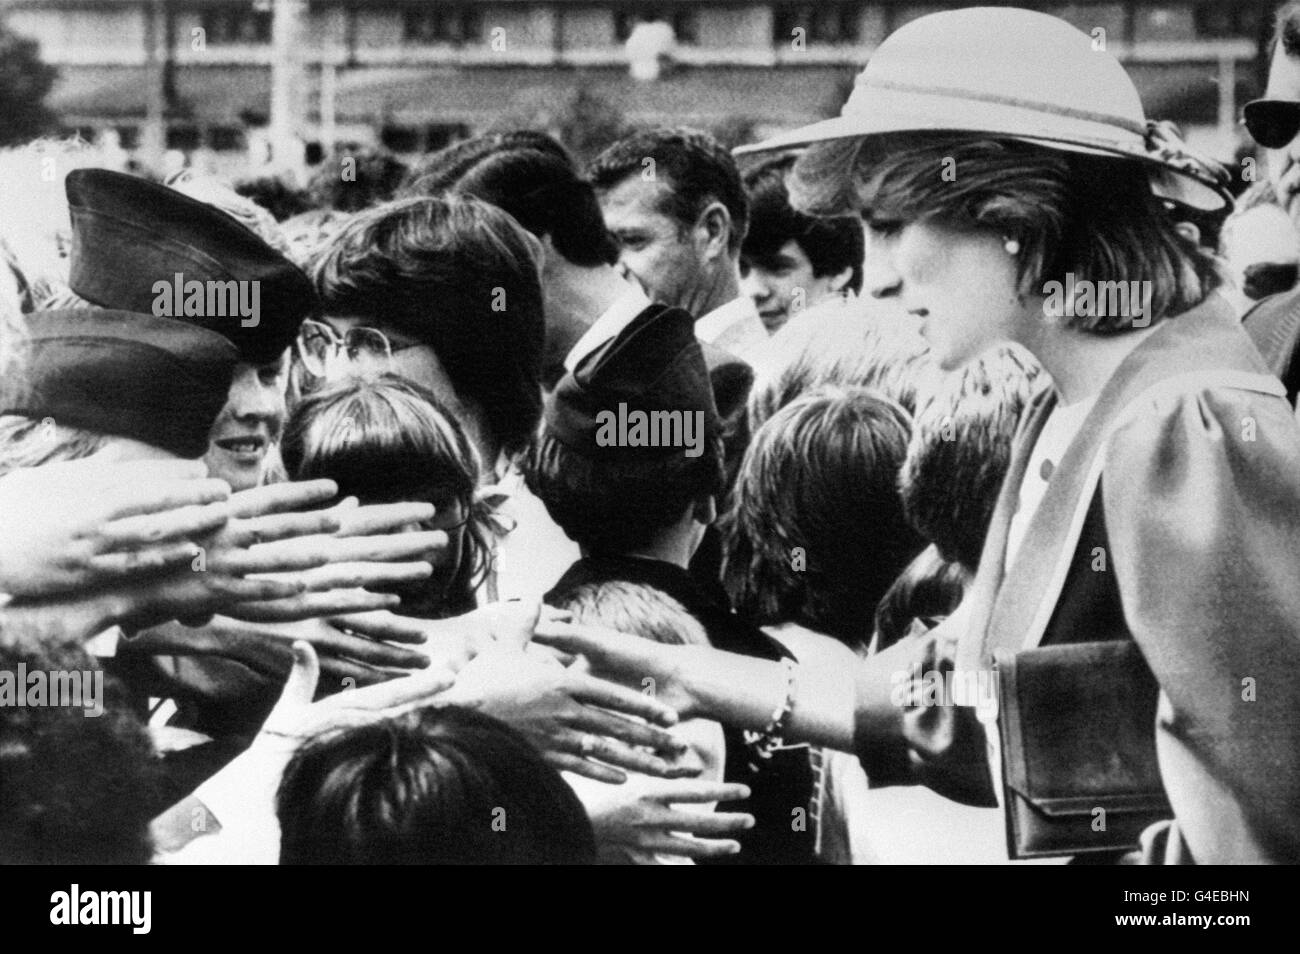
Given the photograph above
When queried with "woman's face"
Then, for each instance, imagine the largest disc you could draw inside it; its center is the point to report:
(959, 284)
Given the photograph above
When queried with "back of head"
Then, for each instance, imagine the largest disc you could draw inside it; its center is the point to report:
(961, 448)
(458, 275)
(546, 196)
(636, 609)
(696, 168)
(433, 786)
(840, 342)
(815, 533)
(351, 183)
(831, 244)
(75, 787)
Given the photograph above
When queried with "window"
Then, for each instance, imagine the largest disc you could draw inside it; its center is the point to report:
(237, 25)
(226, 138)
(682, 21)
(442, 23)
(400, 139)
(185, 138)
(1220, 20)
(821, 23)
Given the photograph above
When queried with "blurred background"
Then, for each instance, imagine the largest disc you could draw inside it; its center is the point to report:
(272, 88)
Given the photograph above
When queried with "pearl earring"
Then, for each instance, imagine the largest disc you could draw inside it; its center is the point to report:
(1012, 246)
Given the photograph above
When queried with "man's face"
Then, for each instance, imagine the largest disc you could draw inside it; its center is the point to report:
(654, 248)
(783, 284)
(1284, 163)
(248, 425)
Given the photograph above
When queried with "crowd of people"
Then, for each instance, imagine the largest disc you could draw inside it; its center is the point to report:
(685, 506)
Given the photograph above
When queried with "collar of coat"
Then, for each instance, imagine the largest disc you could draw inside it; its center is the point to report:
(1201, 349)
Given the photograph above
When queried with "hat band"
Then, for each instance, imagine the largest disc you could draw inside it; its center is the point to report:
(1109, 119)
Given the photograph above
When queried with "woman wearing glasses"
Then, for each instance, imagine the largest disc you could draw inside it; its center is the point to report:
(1151, 511)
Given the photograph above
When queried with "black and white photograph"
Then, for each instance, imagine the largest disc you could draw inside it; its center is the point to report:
(650, 432)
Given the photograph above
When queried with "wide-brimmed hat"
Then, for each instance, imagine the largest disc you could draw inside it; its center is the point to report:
(1021, 74)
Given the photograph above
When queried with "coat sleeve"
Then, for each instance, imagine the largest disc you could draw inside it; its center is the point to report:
(1202, 501)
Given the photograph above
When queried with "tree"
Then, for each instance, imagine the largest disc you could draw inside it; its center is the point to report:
(25, 80)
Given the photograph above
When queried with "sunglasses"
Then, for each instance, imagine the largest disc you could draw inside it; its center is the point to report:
(1272, 122)
(319, 346)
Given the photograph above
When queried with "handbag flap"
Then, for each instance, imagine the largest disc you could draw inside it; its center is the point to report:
(1078, 728)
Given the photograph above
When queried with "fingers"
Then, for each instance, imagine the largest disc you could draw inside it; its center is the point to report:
(392, 546)
(290, 608)
(277, 498)
(565, 762)
(633, 733)
(353, 575)
(314, 524)
(606, 649)
(607, 695)
(705, 823)
(686, 846)
(351, 674)
(365, 650)
(182, 523)
(382, 518)
(386, 626)
(699, 792)
(413, 689)
(152, 496)
(619, 755)
(152, 559)
(300, 687)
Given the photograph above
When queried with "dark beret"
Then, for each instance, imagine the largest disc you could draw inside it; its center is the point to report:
(654, 364)
(155, 380)
(129, 234)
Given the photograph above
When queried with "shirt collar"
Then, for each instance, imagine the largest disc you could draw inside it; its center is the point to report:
(714, 325)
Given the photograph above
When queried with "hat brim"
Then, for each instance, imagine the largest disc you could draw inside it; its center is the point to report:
(1077, 134)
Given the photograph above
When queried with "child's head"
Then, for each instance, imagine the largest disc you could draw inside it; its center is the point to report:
(815, 533)
(387, 440)
(433, 786)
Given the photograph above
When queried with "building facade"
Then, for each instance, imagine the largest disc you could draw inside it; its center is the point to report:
(197, 76)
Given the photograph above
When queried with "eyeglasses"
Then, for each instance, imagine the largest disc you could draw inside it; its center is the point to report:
(319, 346)
(1272, 122)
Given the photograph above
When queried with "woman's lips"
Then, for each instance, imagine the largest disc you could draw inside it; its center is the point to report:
(248, 449)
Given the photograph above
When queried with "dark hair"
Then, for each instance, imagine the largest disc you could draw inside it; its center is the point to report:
(374, 176)
(1286, 29)
(459, 275)
(433, 786)
(546, 196)
(438, 171)
(929, 589)
(73, 789)
(696, 168)
(613, 506)
(815, 533)
(1091, 216)
(961, 448)
(831, 245)
(387, 440)
(276, 196)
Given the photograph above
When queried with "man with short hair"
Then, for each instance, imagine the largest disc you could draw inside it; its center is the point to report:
(673, 201)
(791, 261)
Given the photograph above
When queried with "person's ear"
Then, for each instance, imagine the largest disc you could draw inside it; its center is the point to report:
(714, 229)
(548, 256)
(840, 281)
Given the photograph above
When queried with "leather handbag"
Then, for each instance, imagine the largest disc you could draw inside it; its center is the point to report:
(1079, 767)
